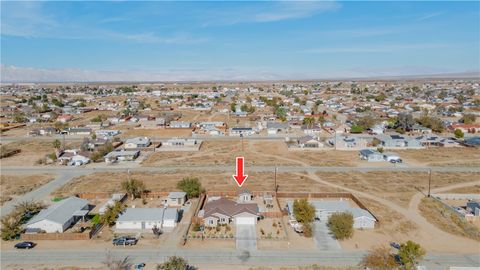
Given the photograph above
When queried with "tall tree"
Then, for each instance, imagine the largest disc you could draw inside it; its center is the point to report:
(134, 188)
(410, 254)
(173, 263)
(303, 210)
(191, 185)
(379, 258)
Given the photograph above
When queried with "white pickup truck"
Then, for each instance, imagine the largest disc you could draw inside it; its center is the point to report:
(392, 158)
(297, 226)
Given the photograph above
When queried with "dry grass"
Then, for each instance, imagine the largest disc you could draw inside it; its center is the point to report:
(398, 187)
(14, 185)
(460, 156)
(156, 133)
(32, 150)
(255, 153)
(310, 267)
(443, 218)
(110, 182)
(466, 190)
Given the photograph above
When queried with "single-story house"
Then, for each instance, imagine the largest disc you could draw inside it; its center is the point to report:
(59, 216)
(348, 142)
(77, 131)
(179, 142)
(362, 219)
(275, 127)
(147, 218)
(465, 128)
(176, 198)
(224, 211)
(43, 131)
(416, 128)
(107, 133)
(180, 124)
(121, 155)
(309, 142)
(241, 131)
(398, 141)
(371, 155)
(137, 142)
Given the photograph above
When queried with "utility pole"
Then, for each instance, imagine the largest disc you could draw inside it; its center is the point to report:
(429, 181)
(275, 179)
(241, 136)
(63, 146)
(335, 134)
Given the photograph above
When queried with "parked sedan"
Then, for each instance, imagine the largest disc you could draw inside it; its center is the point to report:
(125, 241)
(25, 245)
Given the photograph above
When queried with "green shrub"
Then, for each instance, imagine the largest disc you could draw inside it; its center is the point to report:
(341, 225)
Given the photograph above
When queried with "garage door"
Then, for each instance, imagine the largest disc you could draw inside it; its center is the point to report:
(245, 220)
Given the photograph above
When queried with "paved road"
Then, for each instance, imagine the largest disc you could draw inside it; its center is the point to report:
(65, 174)
(87, 257)
(246, 237)
(43, 191)
(322, 237)
(251, 168)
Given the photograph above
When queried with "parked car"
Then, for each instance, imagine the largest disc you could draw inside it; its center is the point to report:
(395, 245)
(125, 241)
(25, 245)
(139, 266)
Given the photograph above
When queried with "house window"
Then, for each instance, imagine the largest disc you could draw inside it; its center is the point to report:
(210, 222)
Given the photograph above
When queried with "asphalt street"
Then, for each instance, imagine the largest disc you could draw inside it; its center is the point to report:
(219, 257)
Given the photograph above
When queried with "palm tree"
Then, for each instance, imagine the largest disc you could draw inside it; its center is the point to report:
(110, 216)
(309, 121)
(56, 144)
(134, 188)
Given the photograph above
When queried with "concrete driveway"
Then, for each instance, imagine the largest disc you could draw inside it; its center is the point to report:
(246, 237)
(322, 237)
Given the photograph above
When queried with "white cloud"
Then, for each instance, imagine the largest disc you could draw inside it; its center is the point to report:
(268, 11)
(25, 74)
(31, 20)
(429, 16)
(383, 48)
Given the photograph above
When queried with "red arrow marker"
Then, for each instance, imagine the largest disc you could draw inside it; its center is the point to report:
(239, 177)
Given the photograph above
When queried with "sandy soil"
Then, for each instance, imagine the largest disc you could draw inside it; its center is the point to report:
(466, 190)
(255, 153)
(457, 156)
(393, 227)
(15, 185)
(398, 187)
(110, 182)
(438, 215)
(32, 150)
(156, 132)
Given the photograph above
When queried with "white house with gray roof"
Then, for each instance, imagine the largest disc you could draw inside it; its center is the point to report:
(59, 216)
(147, 218)
(362, 219)
(137, 142)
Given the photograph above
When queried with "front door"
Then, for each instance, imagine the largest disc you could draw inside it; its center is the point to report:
(143, 225)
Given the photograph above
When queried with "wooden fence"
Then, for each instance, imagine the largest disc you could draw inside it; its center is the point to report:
(56, 236)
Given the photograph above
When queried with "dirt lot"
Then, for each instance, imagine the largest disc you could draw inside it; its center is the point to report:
(32, 150)
(445, 219)
(15, 185)
(398, 187)
(393, 227)
(255, 153)
(176, 132)
(458, 156)
(110, 182)
(466, 190)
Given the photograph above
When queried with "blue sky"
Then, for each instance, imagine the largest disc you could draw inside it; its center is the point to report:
(90, 41)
